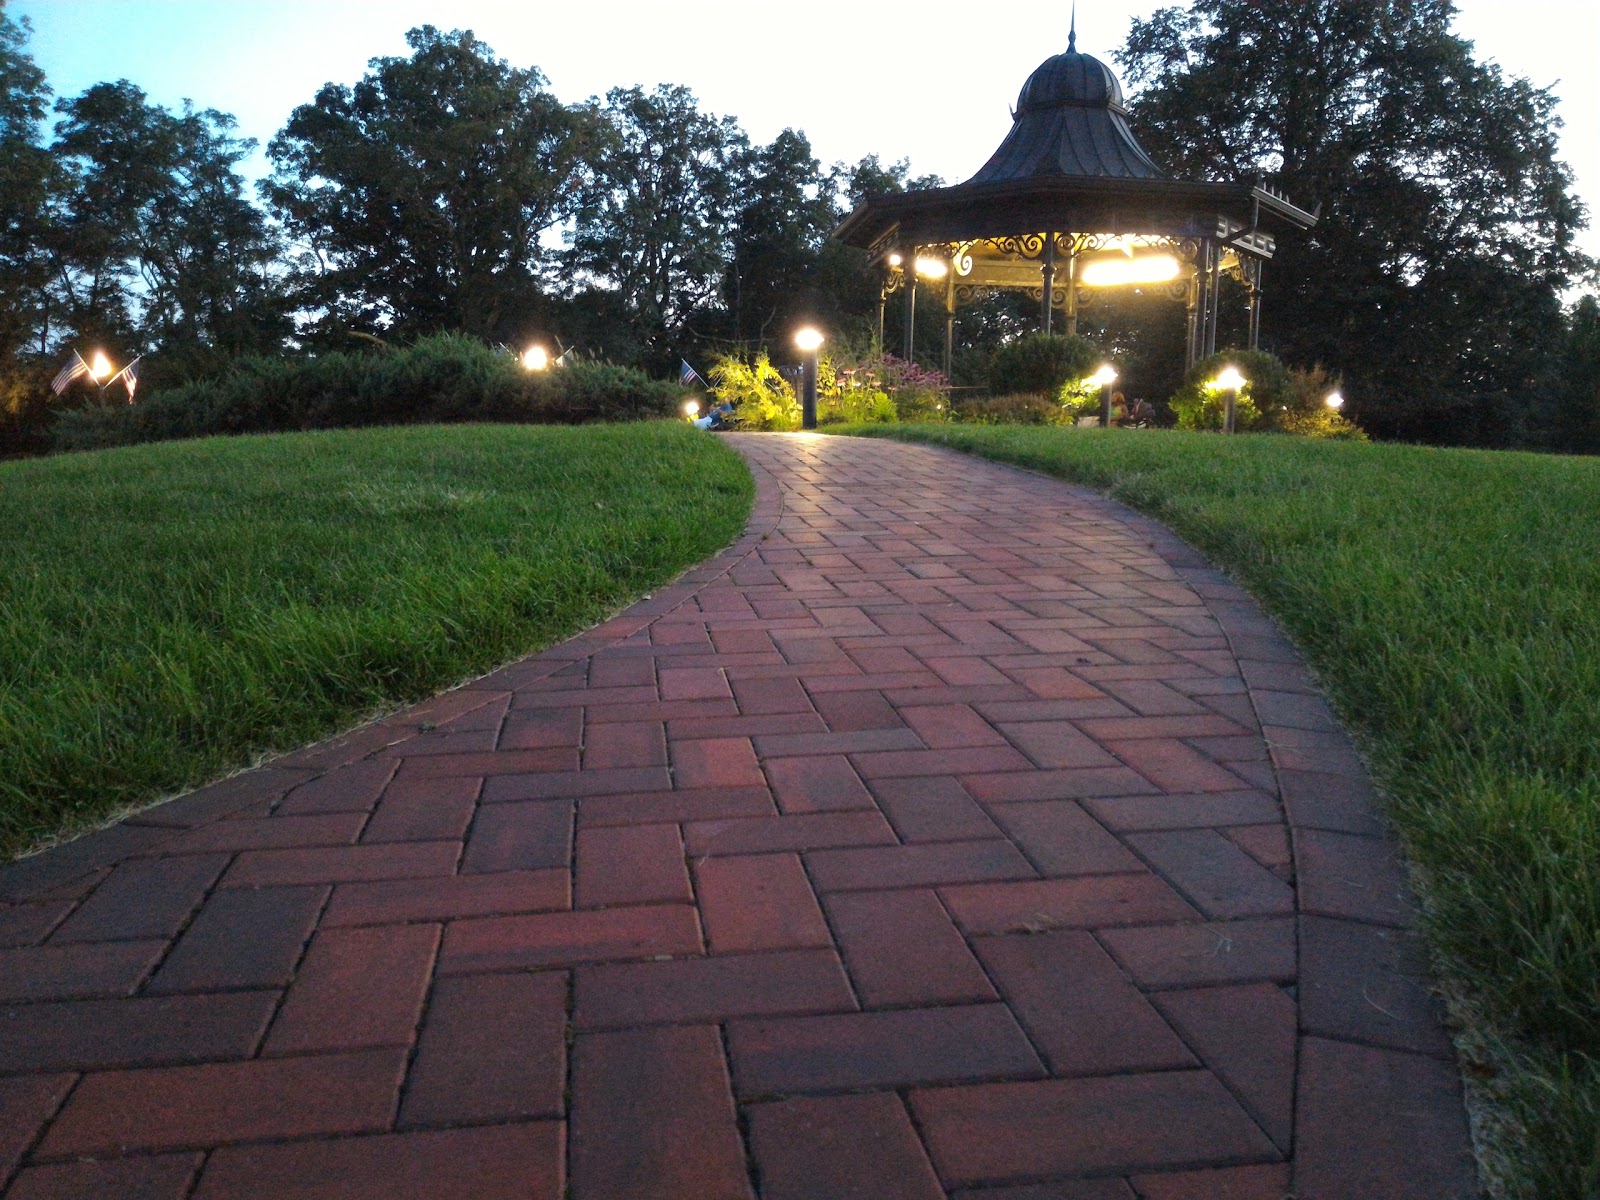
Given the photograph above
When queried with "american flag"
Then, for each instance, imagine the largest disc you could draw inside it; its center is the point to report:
(688, 374)
(76, 369)
(129, 376)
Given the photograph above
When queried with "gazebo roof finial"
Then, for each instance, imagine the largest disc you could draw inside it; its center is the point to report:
(1072, 34)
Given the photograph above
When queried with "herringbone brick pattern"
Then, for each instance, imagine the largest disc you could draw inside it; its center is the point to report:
(956, 834)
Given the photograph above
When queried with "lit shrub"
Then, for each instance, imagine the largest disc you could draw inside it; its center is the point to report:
(761, 397)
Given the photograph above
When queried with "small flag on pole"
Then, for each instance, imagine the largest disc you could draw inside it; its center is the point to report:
(129, 376)
(688, 374)
(561, 359)
(76, 369)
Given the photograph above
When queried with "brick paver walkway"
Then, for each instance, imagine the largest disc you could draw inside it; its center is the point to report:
(929, 842)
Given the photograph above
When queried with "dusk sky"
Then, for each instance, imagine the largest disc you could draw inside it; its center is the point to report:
(876, 77)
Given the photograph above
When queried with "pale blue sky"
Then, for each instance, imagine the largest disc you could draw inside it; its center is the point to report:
(858, 76)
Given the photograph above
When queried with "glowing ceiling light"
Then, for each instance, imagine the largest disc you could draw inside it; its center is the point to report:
(1118, 272)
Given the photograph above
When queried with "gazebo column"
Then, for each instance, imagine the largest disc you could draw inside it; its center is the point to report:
(1255, 270)
(949, 318)
(1213, 299)
(1048, 274)
(1192, 311)
(1072, 291)
(908, 278)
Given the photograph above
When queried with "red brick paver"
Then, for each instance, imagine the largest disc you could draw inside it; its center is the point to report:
(955, 834)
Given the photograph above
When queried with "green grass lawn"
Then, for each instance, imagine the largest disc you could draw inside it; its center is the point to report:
(169, 613)
(1449, 600)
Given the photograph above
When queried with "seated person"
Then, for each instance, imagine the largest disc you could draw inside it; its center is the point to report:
(718, 418)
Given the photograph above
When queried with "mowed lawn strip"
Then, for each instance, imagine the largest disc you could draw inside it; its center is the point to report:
(170, 612)
(1449, 600)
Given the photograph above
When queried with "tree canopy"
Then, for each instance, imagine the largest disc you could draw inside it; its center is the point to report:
(1432, 282)
(417, 199)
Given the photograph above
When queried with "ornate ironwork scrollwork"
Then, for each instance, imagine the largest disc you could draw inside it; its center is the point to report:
(1028, 245)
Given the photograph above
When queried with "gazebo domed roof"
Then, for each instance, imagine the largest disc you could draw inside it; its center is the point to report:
(1069, 122)
(1070, 78)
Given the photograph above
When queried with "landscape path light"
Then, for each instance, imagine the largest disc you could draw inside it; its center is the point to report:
(1104, 377)
(1230, 381)
(809, 341)
(536, 358)
(1334, 401)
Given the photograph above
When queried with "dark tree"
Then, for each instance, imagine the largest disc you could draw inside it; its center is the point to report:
(418, 197)
(1432, 282)
(153, 243)
(655, 226)
(779, 229)
(26, 179)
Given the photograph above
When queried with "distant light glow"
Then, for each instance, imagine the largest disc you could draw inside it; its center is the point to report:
(1334, 401)
(536, 358)
(1119, 272)
(895, 260)
(808, 339)
(100, 367)
(1229, 379)
(1106, 374)
(932, 268)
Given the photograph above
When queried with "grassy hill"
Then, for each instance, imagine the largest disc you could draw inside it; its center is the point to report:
(170, 612)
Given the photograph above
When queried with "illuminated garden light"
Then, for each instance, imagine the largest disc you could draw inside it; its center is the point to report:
(1105, 375)
(100, 367)
(809, 341)
(536, 358)
(691, 409)
(1229, 380)
(1334, 401)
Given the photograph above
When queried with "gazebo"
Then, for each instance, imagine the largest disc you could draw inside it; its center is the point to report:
(1068, 206)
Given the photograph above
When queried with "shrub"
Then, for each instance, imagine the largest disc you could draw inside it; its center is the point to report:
(857, 406)
(1041, 362)
(1308, 414)
(1275, 398)
(1198, 405)
(760, 395)
(1027, 408)
(445, 378)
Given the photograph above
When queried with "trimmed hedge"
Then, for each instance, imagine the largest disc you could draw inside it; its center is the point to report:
(442, 379)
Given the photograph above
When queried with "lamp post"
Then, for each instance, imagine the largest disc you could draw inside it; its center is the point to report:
(1230, 381)
(809, 341)
(1105, 377)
